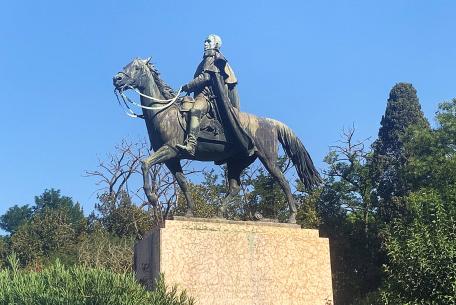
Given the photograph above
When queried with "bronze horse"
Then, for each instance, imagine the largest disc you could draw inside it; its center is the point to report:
(165, 129)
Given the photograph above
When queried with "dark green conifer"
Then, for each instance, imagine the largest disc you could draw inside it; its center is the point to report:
(403, 110)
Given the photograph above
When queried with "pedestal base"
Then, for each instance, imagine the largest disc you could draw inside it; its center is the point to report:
(238, 262)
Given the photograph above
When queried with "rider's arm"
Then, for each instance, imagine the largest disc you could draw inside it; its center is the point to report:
(198, 81)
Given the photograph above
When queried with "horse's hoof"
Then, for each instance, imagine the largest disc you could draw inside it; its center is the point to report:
(257, 216)
(221, 212)
(292, 218)
(189, 213)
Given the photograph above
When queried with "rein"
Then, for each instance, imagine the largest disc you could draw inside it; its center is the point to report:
(132, 114)
(153, 98)
(171, 100)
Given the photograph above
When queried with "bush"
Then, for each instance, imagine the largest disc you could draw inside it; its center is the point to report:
(50, 234)
(80, 285)
(100, 249)
(372, 298)
(422, 251)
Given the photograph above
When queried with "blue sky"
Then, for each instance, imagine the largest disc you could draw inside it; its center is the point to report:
(318, 66)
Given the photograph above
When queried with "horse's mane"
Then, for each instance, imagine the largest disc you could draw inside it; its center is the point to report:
(164, 88)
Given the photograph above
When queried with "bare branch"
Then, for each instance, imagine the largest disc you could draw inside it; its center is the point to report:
(121, 169)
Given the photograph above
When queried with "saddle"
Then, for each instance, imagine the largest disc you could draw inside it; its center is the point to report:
(211, 130)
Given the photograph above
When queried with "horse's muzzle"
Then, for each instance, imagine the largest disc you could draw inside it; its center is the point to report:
(117, 81)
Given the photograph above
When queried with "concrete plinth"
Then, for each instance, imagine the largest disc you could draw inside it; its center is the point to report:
(237, 262)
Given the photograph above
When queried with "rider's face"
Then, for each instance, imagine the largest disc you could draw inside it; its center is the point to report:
(209, 44)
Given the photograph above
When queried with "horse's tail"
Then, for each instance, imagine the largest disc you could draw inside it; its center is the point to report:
(299, 156)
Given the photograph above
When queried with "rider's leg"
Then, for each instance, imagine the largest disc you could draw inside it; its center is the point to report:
(200, 108)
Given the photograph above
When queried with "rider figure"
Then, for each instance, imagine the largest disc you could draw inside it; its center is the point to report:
(202, 87)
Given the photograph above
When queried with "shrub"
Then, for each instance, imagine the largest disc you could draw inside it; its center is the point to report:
(103, 250)
(80, 285)
(422, 251)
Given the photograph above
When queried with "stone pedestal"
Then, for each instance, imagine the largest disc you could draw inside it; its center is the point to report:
(237, 262)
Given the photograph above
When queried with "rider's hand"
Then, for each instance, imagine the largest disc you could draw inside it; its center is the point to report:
(185, 88)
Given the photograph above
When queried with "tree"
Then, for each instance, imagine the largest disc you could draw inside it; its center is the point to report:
(47, 236)
(120, 178)
(430, 153)
(207, 196)
(263, 193)
(4, 250)
(403, 110)
(421, 252)
(53, 230)
(307, 216)
(100, 249)
(52, 200)
(15, 217)
(119, 216)
(348, 218)
(421, 247)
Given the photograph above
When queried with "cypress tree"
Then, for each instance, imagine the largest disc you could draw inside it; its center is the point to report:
(403, 110)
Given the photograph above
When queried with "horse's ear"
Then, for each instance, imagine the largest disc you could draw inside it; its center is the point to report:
(147, 60)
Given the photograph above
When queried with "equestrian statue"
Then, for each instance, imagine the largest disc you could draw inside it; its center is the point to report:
(209, 126)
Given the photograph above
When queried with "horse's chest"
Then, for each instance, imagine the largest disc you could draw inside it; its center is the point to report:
(161, 131)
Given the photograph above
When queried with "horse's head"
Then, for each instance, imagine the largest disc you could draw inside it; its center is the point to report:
(134, 75)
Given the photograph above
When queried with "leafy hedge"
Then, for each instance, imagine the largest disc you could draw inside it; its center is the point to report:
(79, 285)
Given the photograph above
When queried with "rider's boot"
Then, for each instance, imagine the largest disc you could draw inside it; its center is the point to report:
(190, 143)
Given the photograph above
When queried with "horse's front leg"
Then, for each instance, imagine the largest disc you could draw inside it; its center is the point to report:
(176, 169)
(163, 154)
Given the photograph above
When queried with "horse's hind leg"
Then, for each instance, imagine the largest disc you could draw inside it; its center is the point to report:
(234, 168)
(275, 171)
(176, 169)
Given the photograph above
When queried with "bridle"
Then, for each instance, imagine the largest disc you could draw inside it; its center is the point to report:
(125, 98)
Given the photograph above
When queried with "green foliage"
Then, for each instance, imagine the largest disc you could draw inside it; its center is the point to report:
(422, 252)
(348, 218)
(307, 215)
(162, 295)
(259, 193)
(372, 298)
(266, 196)
(202, 207)
(389, 157)
(123, 218)
(431, 153)
(402, 111)
(4, 250)
(206, 196)
(57, 229)
(80, 285)
(50, 230)
(100, 249)
(15, 217)
(49, 235)
(52, 200)
(421, 247)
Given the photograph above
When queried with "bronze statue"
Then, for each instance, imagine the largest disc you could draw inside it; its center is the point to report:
(219, 131)
(214, 88)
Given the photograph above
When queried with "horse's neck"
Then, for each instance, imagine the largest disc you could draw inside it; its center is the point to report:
(153, 115)
(152, 92)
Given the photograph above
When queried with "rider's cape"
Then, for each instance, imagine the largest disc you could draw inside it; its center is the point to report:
(223, 83)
